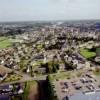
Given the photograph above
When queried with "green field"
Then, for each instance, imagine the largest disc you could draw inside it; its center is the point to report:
(5, 42)
(62, 75)
(87, 54)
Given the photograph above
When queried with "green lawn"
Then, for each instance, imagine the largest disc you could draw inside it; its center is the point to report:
(5, 42)
(13, 77)
(87, 54)
(62, 75)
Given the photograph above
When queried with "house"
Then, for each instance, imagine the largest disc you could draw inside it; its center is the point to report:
(6, 88)
(87, 64)
(69, 59)
(4, 72)
(3, 76)
(75, 62)
(97, 59)
(41, 70)
(79, 66)
(20, 90)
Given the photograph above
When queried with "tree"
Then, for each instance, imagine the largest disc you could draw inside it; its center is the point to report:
(50, 90)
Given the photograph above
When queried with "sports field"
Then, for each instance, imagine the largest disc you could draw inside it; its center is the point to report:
(5, 42)
(87, 54)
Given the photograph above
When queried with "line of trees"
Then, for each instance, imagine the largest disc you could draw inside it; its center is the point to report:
(52, 67)
(50, 91)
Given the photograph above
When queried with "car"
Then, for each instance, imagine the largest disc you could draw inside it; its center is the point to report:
(78, 87)
(90, 81)
(90, 87)
(66, 84)
(84, 80)
(74, 84)
(63, 91)
(65, 98)
(88, 75)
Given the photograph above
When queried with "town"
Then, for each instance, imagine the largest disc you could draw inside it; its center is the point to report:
(57, 60)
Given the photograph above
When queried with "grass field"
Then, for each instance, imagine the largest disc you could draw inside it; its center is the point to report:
(87, 54)
(5, 42)
(62, 75)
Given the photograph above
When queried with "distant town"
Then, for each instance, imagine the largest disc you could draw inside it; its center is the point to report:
(56, 60)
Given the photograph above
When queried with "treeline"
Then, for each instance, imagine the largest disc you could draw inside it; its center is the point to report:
(50, 89)
(51, 67)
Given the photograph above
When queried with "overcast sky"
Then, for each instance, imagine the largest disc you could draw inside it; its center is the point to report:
(30, 10)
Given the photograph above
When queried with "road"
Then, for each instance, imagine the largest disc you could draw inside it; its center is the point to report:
(25, 77)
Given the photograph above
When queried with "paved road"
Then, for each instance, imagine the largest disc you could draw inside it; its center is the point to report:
(25, 77)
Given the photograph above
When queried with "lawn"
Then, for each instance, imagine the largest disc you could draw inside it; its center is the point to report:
(5, 42)
(13, 77)
(62, 75)
(87, 54)
(97, 73)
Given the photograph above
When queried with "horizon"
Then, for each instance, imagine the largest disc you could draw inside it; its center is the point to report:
(25, 21)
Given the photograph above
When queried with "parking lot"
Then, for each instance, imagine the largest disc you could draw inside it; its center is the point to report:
(68, 87)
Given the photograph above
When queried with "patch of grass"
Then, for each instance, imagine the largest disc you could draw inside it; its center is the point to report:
(62, 75)
(37, 63)
(23, 63)
(79, 74)
(13, 77)
(39, 46)
(97, 73)
(5, 42)
(87, 54)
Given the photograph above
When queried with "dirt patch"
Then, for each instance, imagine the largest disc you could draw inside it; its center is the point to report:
(33, 92)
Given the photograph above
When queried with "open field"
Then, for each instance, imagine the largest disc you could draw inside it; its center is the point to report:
(87, 54)
(5, 42)
(63, 75)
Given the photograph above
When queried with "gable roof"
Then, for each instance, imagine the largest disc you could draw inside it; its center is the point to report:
(4, 70)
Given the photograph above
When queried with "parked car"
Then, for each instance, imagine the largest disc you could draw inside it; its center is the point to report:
(66, 84)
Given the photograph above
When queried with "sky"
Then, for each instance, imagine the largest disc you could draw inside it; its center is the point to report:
(31, 10)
